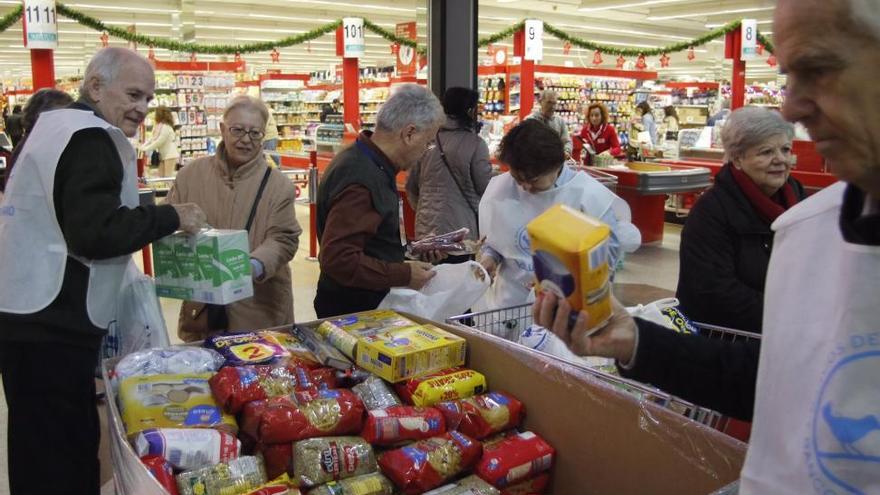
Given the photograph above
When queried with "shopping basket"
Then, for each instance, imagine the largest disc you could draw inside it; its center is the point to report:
(508, 323)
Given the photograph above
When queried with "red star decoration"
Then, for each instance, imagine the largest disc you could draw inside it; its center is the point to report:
(597, 58)
(771, 60)
(105, 40)
(691, 54)
(276, 56)
(395, 48)
(641, 63)
(620, 62)
(760, 49)
(192, 57)
(151, 55)
(566, 48)
(237, 57)
(664, 60)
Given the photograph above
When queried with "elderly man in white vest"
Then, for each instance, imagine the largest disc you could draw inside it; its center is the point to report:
(815, 389)
(68, 225)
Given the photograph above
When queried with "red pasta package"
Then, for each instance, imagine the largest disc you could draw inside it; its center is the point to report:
(252, 414)
(429, 463)
(534, 486)
(483, 415)
(278, 458)
(514, 458)
(233, 387)
(397, 424)
(339, 412)
(161, 470)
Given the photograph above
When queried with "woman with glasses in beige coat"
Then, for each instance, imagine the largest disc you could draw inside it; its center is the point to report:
(225, 186)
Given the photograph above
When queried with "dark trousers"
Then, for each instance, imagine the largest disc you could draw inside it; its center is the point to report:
(335, 302)
(53, 418)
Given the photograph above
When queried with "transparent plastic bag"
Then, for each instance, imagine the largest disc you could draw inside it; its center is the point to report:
(169, 361)
(453, 290)
(139, 322)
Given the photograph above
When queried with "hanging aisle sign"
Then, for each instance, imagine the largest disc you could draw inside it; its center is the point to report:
(353, 37)
(406, 55)
(39, 24)
(749, 44)
(534, 31)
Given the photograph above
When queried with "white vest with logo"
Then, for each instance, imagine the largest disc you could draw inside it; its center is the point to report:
(33, 252)
(817, 409)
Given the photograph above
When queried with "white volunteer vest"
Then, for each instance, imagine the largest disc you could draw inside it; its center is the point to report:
(817, 410)
(506, 208)
(33, 252)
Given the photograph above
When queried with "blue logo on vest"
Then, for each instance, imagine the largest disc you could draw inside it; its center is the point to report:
(844, 451)
(523, 242)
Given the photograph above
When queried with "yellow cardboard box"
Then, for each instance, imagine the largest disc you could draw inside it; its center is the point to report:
(343, 333)
(570, 254)
(402, 353)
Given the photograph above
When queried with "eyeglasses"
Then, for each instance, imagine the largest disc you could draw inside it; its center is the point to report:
(254, 134)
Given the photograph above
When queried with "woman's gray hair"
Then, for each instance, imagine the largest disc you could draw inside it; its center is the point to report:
(750, 126)
(410, 104)
(105, 66)
(246, 102)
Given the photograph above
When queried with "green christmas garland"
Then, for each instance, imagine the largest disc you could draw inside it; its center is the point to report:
(11, 18)
(96, 24)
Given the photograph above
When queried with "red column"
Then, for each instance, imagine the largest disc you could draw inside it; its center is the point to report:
(733, 50)
(43, 68)
(351, 111)
(526, 76)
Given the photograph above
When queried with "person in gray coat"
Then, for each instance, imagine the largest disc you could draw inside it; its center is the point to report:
(446, 185)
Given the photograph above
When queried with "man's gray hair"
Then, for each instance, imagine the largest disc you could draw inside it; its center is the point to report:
(750, 126)
(865, 14)
(546, 94)
(106, 64)
(410, 104)
(246, 102)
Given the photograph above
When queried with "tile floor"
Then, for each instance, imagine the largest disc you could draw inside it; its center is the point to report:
(652, 265)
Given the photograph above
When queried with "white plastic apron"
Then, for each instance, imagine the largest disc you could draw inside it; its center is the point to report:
(33, 252)
(817, 410)
(506, 208)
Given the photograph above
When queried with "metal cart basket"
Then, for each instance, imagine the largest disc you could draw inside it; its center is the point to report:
(508, 323)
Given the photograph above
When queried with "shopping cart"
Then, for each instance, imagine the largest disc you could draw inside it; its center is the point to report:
(509, 323)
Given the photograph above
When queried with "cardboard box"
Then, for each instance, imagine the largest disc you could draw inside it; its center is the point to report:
(343, 333)
(607, 441)
(210, 267)
(401, 353)
(570, 254)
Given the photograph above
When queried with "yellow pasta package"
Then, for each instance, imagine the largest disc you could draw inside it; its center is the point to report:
(445, 385)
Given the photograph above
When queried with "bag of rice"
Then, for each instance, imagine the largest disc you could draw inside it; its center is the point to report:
(398, 424)
(483, 415)
(429, 463)
(320, 460)
(236, 476)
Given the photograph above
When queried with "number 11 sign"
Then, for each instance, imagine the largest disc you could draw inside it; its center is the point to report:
(39, 24)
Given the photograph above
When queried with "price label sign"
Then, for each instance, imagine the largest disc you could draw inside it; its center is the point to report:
(749, 43)
(353, 37)
(39, 24)
(534, 31)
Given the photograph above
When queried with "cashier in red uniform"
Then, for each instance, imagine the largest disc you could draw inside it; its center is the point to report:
(598, 133)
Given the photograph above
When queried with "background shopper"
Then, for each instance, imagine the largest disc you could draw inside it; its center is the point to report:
(361, 255)
(670, 123)
(163, 140)
(43, 100)
(726, 241)
(226, 186)
(446, 185)
(64, 254)
(546, 114)
(647, 121)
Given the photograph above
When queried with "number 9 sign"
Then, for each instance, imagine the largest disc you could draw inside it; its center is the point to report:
(39, 24)
(534, 49)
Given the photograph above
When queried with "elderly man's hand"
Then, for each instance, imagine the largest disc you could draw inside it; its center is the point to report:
(420, 274)
(616, 340)
(192, 218)
(434, 256)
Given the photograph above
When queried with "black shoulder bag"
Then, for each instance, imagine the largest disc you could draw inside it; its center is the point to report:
(457, 183)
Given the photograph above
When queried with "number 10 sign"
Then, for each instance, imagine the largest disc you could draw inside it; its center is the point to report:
(39, 24)
(353, 37)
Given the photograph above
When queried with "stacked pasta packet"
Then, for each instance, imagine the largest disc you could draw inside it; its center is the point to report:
(261, 414)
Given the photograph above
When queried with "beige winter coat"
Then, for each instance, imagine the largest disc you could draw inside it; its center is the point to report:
(227, 196)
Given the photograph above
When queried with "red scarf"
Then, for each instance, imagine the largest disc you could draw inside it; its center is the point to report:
(769, 207)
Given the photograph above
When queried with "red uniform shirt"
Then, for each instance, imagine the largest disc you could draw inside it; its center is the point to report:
(602, 139)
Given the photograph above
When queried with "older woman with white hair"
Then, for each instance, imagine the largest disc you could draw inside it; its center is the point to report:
(726, 241)
(238, 190)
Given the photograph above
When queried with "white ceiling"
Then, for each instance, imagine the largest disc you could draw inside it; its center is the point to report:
(631, 23)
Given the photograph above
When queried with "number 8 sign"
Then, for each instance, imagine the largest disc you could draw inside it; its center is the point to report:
(39, 24)
(749, 39)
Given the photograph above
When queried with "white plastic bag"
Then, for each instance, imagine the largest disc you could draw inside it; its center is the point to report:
(139, 322)
(539, 338)
(453, 290)
(664, 312)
